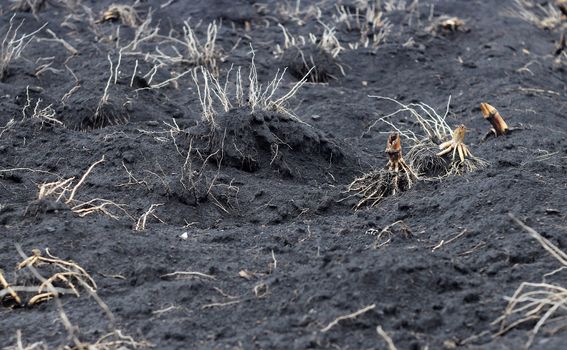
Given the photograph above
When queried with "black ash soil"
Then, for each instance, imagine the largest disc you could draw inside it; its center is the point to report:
(265, 186)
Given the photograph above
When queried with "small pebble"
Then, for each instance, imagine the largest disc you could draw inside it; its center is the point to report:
(184, 236)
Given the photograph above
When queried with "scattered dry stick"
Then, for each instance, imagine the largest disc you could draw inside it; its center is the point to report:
(63, 191)
(386, 232)
(187, 274)
(546, 244)
(141, 223)
(386, 338)
(9, 290)
(72, 196)
(348, 317)
(443, 242)
(208, 306)
(117, 340)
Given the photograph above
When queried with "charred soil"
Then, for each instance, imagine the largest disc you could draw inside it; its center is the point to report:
(254, 208)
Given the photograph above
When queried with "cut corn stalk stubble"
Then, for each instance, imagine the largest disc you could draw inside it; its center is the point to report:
(465, 161)
(499, 126)
(397, 176)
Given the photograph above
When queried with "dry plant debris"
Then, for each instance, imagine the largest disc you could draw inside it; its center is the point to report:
(65, 190)
(348, 317)
(203, 52)
(546, 16)
(384, 236)
(125, 13)
(542, 303)
(397, 176)
(64, 277)
(387, 339)
(435, 134)
(447, 24)
(368, 20)
(115, 340)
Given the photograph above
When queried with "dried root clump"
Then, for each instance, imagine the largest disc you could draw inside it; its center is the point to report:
(40, 278)
(398, 176)
(424, 160)
(465, 162)
(126, 14)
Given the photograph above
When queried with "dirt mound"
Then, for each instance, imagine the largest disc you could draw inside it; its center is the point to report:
(271, 142)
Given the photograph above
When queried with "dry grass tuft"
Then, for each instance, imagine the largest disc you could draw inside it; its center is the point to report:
(202, 52)
(368, 19)
(327, 41)
(545, 17)
(214, 94)
(13, 45)
(294, 11)
(313, 53)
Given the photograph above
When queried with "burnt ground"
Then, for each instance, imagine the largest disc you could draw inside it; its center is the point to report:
(261, 198)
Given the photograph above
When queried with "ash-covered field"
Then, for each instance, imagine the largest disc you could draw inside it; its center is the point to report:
(213, 174)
